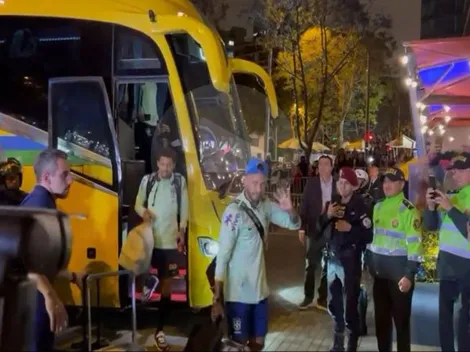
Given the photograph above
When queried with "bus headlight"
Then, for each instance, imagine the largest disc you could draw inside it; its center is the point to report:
(209, 247)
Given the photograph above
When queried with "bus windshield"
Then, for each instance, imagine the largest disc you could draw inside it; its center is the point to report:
(216, 117)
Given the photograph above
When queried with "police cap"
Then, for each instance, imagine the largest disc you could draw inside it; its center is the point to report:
(394, 174)
(460, 162)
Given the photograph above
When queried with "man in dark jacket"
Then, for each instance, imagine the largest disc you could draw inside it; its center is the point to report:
(375, 188)
(318, 191)
(347, 229)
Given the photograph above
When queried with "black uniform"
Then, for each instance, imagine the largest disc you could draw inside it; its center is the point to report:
(344, 269)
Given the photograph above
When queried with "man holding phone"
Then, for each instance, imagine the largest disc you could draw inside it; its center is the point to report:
(347, 227)
(393, 259)
(450, 218)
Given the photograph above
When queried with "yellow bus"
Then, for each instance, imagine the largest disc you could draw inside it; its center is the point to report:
(88, 77)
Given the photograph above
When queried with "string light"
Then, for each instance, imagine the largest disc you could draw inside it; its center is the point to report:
(447, 118)
(423, 118)
(408, 81)
(424, 129)
(404, 60)
(430, 132)
(446, 108)
(414, 84)
(420, 106)
(451, 139)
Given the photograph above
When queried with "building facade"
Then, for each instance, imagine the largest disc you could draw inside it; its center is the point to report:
(442, 18)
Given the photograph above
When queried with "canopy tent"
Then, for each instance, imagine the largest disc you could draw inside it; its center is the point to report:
(402, 142)
(293, 143)
(359, 145)
(439, 81)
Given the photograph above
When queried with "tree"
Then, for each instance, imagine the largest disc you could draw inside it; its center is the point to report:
(322, 46)
(214, 10)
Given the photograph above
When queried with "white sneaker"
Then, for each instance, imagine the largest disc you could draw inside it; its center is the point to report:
(160, 342)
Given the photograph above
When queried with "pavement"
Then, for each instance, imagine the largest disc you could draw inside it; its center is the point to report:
(289, 328)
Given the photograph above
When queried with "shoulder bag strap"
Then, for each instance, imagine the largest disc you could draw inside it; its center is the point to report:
(252, 216)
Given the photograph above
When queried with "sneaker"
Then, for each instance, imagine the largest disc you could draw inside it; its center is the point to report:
(160, 341)
(306, 304)
(322, 305)
(151, 284)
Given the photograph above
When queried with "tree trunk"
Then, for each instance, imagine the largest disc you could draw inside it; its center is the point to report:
(341, 134)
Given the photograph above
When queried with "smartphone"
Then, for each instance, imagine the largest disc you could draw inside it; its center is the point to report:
(433, 184)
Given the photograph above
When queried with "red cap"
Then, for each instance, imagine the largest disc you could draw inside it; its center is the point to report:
(349, 175)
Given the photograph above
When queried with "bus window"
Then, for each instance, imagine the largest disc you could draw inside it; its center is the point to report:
(147, 122)
(216, 117)
(35, 49)
(82, 126)
(136, 54)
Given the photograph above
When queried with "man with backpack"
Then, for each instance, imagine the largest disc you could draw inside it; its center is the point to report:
(240, 273)
(162, 200)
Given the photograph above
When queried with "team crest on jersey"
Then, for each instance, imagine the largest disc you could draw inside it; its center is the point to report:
(395, 223)
(237, 325)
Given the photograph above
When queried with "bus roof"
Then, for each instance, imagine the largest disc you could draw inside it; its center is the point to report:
(171, 16)
(127, 12)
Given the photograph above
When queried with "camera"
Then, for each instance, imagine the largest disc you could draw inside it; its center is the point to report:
(31, 241)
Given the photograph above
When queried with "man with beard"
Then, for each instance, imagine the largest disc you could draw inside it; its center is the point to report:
(162, 200)
(53, 181)
(240, 273)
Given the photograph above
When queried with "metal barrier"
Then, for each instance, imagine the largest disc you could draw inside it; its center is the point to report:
(86, 299)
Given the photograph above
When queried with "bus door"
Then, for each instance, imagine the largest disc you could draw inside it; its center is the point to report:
(146, 123)
(81, 124)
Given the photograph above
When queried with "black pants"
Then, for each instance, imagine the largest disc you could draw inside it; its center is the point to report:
(390, 303)
(314, 257)
(449, 292)
(345, 288)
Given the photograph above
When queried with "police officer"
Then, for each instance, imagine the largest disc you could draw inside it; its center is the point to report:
(240, 272)
(451, 218)
(348, 230)
(11, 179)
(393, 260)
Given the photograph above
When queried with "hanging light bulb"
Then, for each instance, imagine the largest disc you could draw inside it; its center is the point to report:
(408, 81)
(404, 60)
(442, 131)
(414, 84)
(423, 119)
(418, 105)
(424, 129)
(430, 132)
(447, 118)
(451, 139)
(446, 108)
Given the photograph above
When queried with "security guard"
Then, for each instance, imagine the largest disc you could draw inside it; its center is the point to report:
(240, 272)
(393, 260)
(451, 218)
(348, 229)
(11, 178)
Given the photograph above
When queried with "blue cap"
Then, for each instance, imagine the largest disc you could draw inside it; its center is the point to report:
(256, 166)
